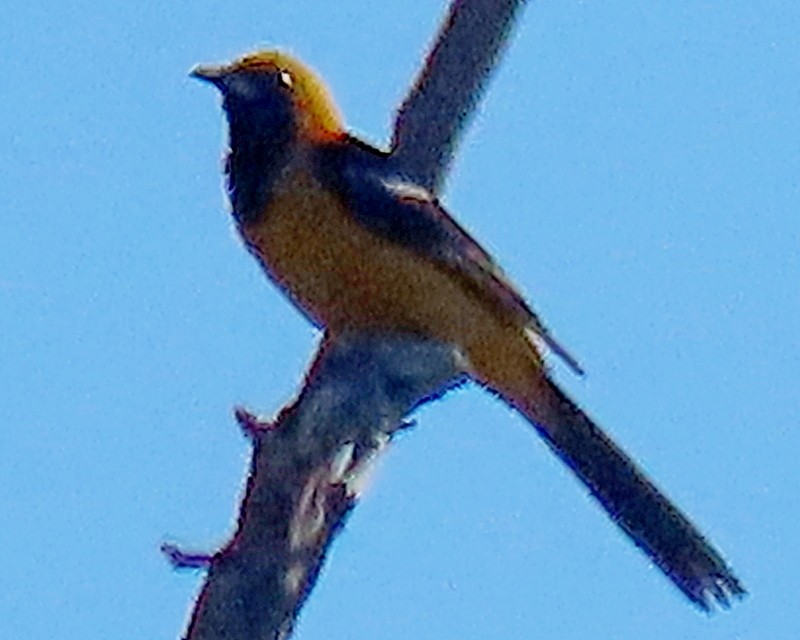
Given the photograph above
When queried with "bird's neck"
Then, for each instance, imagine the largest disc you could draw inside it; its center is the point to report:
(260, 148)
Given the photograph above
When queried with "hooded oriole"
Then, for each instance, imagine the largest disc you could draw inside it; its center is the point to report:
(355, 245)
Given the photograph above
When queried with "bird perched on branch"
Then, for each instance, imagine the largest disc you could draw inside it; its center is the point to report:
(355, 246)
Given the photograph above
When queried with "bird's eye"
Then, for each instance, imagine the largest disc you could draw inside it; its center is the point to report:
(285, 79)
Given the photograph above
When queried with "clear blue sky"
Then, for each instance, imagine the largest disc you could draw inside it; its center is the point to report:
(635, 168)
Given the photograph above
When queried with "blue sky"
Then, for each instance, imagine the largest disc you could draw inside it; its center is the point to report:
(635, 168)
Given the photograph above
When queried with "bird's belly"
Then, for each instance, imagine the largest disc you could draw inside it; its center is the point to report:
(343, 277)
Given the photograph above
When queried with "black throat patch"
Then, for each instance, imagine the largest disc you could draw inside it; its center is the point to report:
(261, 138)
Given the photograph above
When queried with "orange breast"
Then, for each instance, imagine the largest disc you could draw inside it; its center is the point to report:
(344, 277)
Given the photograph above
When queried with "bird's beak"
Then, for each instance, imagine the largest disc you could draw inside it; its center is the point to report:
(213, 73)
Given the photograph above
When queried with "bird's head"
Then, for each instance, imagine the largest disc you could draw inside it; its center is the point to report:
(276, 94)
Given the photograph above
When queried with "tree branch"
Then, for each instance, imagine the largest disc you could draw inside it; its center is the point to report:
(449, 86)
(305, 475)
(306, 465)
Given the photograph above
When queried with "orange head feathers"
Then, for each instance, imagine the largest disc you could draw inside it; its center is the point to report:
(274, 90)
(275, 107)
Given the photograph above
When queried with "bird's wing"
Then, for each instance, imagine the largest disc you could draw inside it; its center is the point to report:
(410, 215)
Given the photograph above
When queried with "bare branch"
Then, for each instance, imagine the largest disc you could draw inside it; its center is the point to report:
(449, 86)
(306, 465)
(305, 477)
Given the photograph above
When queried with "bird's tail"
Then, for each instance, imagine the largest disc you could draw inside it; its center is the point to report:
(643, 512)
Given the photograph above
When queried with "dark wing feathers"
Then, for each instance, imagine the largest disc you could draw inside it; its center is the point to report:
(410, 215)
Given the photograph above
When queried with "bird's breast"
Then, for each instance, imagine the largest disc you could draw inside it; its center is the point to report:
(343, 276)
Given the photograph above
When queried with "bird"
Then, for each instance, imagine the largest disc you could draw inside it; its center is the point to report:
(356, 245)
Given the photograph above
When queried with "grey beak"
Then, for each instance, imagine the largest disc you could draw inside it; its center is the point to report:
(213, 73)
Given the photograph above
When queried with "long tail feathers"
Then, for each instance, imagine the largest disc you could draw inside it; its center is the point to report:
(656, 525)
